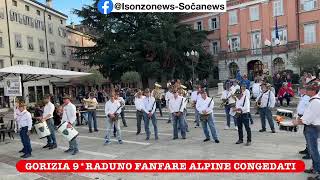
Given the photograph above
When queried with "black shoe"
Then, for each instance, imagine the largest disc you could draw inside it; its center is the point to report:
(305, 151)
(248, 143)
(314, 178)
(156, 138)
(169, 121)
(46, 146)
(96, 130)
(75, 152)
(68, 150)
(125, 125)
(307, 156)
(262, 130)
(147, 138)
(309, 171)
(216, 141)
(26, 156)
(137, 133)
(21, 151)
(184, 138)
(239, 142)
(207, 139)
(273, 131)
(90, 131)
(114, 135)
(175, 138)
(53, 146)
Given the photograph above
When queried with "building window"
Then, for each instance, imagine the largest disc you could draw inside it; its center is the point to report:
(41, 45)
(198, 26)
(233, 17)
(52, 49)
(20, 62)
(1, 42)
(41, 64)
(277, 8)
(49, 16)
(32, 63)
(14, 3)
(254, 13)
(32, 94)
(308, 5)
(310, 33)
(27, 8)
(61, 21)
(63, 50)
(282, 37)
(50, 28)
(38, 12)
(215, 47)
(256, 42)
(18, 41)
(214, 23)
(234, 43)
(30, 43)
(53, 66)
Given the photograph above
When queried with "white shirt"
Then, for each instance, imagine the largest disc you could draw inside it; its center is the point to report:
(233, 88)
(303, 104)
(168, 96)
(176, 104)
(69, 113)
(256, 89)
(195, 96)
(311, 115)
(247, 93)
(265, 98)
(202, 105)
(244, 106)
(149, 104)
(225, 94)
(111, 107)
(121, 101)
(24, 119)
(48, 109)
(16, 113)
(138, 102)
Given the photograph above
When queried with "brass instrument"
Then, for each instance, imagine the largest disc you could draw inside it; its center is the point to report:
(258, 103)
(231, 100)
(89, 103)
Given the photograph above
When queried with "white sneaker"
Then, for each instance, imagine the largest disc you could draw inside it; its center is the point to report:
(236, 128)
(226, 128)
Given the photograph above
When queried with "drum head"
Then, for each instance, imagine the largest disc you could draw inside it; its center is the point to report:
(65, 132)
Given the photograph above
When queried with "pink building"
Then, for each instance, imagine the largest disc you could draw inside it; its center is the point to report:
(260, 35)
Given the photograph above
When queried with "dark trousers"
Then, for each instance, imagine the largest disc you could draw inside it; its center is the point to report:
(287, 97)
(178, 120)
(25, 140)
(158, 105)
(304, 133)
(244, 120)
(266, 113)
(312, 135)
(92, 117)
(139, 115)
(124, 122)
(51, 139)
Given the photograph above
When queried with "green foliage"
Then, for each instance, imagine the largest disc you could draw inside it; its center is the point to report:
(152, 44)
(130, 77)
(308, 59)
(96, 78)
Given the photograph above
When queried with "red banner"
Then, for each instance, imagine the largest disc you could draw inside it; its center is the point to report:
(161, 166)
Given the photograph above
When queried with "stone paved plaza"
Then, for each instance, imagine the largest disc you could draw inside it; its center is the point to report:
(282, 145)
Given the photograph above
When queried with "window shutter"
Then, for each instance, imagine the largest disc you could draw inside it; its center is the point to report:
(218, 22)
(315, 4)
(218, 45)
(301, 6)
(195, 26)
(210, 24)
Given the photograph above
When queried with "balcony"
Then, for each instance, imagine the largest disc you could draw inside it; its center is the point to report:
(290, 46)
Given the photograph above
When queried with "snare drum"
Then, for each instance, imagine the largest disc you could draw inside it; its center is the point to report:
(42, 129)
(68, 133)
(284, 120)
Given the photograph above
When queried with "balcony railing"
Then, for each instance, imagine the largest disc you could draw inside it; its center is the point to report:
(290, 46)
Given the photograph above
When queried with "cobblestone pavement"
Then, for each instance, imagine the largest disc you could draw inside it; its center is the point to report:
(282, 145)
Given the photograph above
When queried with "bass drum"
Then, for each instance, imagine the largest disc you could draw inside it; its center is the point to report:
(42, 129)
(68, 133)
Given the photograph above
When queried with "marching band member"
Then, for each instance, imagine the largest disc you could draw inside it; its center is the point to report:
(156, 93)
(235, 86)
(123, 103)
(176, 106)
(149, 109)
(48, 117)
(247, 93)
(242, 110)
(91, 104)
(311, 120)
(182, 92)
(226, 102)
(69, 116)
(138, 102)
(112, 110)
(205, 108)
(195, 95)
(168, 96)
(302, 105)
(265, 102)
(24, 121)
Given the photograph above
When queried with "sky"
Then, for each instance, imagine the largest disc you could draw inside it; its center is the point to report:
(66, 7)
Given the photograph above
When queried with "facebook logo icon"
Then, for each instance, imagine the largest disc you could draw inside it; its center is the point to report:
(105, 6)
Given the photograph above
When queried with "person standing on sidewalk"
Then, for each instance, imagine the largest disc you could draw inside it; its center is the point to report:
(176, 107)
(265, 102)
(157, 94)
(24, 121)
(47, 117)
(169, 96)
(195, 95)
(205, 108)
(91, 109)
(138, 102)
(311, 120)
(227, 100)
(149, 109)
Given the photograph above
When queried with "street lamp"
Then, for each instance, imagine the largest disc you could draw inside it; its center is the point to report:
(193, 55)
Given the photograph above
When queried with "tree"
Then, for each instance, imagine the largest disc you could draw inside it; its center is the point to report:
(96, 78)
(131, 77)
(308, 60)
(152, 44)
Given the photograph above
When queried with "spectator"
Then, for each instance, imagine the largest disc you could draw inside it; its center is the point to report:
(245, 81)
(256, 89)
(285, 92)
(277, 83)
(57, 115)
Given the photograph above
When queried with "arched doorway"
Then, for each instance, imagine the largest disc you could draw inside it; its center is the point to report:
(233, 68)
(278, 65)
(255, 68)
